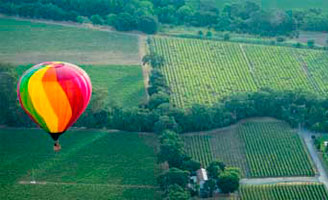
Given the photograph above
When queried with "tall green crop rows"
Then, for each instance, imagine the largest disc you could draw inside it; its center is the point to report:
(300, 191)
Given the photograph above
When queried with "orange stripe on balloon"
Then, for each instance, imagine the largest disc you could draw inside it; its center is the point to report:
(58, 98)
(41, 101)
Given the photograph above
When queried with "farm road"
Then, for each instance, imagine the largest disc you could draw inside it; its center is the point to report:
(306, 135)
(261, 181)
(93, 184)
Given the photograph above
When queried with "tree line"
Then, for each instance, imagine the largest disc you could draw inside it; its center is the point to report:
(298, 108)
(126, 15)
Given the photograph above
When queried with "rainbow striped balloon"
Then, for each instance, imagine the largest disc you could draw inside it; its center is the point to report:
(54, 95)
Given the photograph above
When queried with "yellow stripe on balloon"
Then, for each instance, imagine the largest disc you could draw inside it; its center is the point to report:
(58, 99)
(40, 100)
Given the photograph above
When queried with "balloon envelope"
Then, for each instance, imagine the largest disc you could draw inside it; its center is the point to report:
(54, 95)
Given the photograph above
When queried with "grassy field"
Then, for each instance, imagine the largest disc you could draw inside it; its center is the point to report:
(299, 191)
(92, 164)
(261, 148)
(204, 71)
(124, 82)
(320, 38)
(24, 42)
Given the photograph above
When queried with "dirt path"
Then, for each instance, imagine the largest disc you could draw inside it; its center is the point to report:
(86, 184)
(305, 69)
(145, 67)
(250, 65)
(262, 181)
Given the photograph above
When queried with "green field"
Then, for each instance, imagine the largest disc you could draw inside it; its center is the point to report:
(25, 42)
(92, 164)
(261, 148)
(299, 191)
(124, 83)
(204, 71)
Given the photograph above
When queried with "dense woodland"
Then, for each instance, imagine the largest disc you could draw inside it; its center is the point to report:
(146, 15)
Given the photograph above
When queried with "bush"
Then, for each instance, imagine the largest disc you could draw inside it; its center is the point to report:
(310, 43)
(97, 19)
(280, 39)
(83, 19)
(110, 19)
(226, 37)
(166, 123)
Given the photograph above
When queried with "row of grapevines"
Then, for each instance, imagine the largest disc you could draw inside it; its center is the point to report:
(273, 149)
(202, 72)
(277, 68)
(198, 147)
(298, 191)
(317, 64)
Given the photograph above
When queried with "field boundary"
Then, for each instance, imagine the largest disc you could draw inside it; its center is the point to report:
(145, 67)
(250, 65)
(305, 68)
(73, 24)
(87, 184)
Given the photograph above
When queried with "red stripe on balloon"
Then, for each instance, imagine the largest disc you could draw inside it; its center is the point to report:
(72, 84)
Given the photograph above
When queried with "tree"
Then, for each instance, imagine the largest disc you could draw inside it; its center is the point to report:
(176, 192)
(8, 102)
(280, 39)
(210, 186)
(171, 149)
(191, 165)
(173, 176)
(209, 34)
(215, 168)
(228, 180)
(148, 24)
(97, 19)
(165, 123)
(166, 14)
(184, 13)
(154, 59)
(125, 22)
(226, 37)
(310, 43)
(158, 99)
(110, 19)
(200, 34)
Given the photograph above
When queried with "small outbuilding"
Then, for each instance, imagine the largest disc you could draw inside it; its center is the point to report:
(325, 143)
(201, 177)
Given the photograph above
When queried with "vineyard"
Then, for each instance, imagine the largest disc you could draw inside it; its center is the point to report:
(299, 191)
(199, 147)
(281, 71)
(272, 149)
(317, 64)
(260, 148)
(204, 71)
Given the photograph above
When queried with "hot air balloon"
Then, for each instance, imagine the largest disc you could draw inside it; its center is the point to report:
(54, 95)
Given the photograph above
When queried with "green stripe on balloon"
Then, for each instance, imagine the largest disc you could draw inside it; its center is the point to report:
(26, 99)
